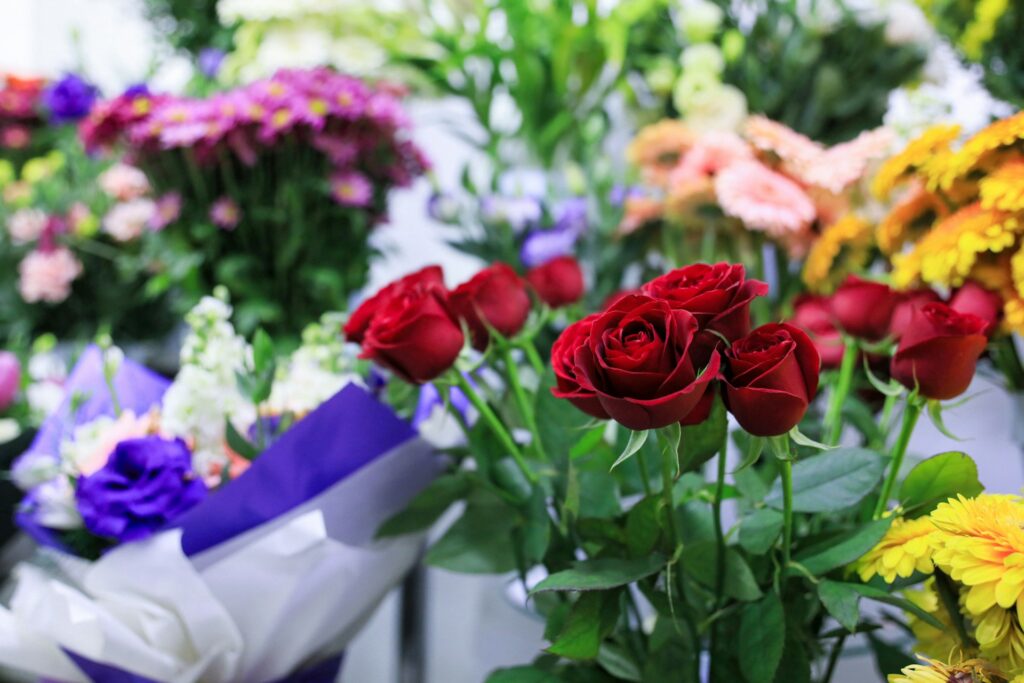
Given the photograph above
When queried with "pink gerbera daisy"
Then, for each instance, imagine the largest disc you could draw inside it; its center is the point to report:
(763, 199)
(350, 188)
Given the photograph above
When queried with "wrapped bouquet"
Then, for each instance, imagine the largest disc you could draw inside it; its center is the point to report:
(289, 171)
(193, 531)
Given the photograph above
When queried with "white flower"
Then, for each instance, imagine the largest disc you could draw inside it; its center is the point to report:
(704, 58)
(55, 505)
(699, 20)
(906, 24)
(127, 220)
(123, 182)
(358, 55)
(26, 225)
(34, 469)
(9, 429)
(722, 108)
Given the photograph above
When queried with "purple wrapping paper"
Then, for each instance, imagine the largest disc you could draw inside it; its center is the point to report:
(325, 672)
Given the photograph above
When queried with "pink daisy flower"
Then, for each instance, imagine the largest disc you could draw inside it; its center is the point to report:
(225, 213)
(350, 188)
(167, 210)
(46, 275)
(843, 165)
(763, 199)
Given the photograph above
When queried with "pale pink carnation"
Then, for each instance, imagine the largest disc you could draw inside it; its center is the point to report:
(711, 153)
(124, 182)
(127, 220)
(763, 199)
(26, 225)
(845, 164)
(47, 275)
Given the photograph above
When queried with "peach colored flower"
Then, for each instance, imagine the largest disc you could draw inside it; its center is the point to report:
(127, 426)
(124, 182)
(127, 220)
(236, 467)
(640, 211)
(763, 199)
(838, 167)
(792, 148)
(26, 225)
(657, 148)
(47, 275)
(691, 182)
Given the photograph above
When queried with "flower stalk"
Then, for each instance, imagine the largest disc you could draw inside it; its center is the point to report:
(782, 451)
(833, 418)
(899, 451)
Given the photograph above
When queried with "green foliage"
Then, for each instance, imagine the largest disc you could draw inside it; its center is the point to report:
(834, 480)
(937, 479)
(763, 638)
(601, 574)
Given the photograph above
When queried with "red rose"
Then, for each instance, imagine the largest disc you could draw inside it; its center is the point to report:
(718, 296)
(813, 314)
(359, 321)
(614, 297)
(563, 361)
(637, 362)
(559, 282)
(770, 378)
(496, 296)
(413, 330)
(906, 304)
(975, 299)
(863, 308)
(939, 351)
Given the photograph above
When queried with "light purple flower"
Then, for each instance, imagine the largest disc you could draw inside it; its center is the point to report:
(351, 188)
(210, 60)
(430, 400)
(225, 213)
(541, 246)
(443, 207)
(519, 213)
(168, 209)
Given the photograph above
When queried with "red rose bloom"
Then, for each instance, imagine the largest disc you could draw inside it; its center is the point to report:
(863, 308)
(718, 296)
(413, 331)
(939, 351)
(637, 362)
(496, 296)
(770, 377)
(559, 282)
(975, 299)
(813, 314)
(906, 304)
(359, 322)
(563, 361)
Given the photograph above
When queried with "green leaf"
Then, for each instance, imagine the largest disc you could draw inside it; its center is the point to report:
(700, 561)
(522, 674)
(835, 480)
(801, 439)
(616, 661)
(752, 449)
(238, 443)
(428, 506)
(637, 439)
(478, 542)
(763, 637)
(537, 531)
(591, 618)
(759, 530)
(262, 351)
(601, 574)
(841, 551)
(795, 665)
(642, 528)
(890, 388)
(842, 602)
(840, 594)
(588, 442)
(700, 442)
(599, 494)
(938, 479)
(935, 413)
(889, 659)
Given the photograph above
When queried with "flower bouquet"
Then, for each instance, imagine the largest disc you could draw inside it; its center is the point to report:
(586, 479)
(281, 183)
(199, 531)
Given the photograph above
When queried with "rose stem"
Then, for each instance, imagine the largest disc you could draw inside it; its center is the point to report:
(782, 452)
(495, 425)
(531, 355)
(669, 457)
(641, 461)
(720, 539)
(899, 449)
(886, 420)
(833, 420)
(525, 409)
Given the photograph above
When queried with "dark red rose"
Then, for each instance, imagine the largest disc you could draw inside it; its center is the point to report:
(563, 361)
(903, 311)
(813, 314)
(496, 296)
(863, 308)
(770, 377)
(939, 351)
(612, 298)
(718, 296)
(984, 303)
(413, 331)
(359, 321)
(637, 362)
(559, 282)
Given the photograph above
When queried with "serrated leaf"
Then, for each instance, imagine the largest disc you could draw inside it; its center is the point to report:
(835, 480)
(843, 550)
(700, 561)
(763, 635)
(637, 439)
(601, 574)
(617, 661)
(842, 602)
(590, 619)
(938, 479)
(759, 530)
(839, 594)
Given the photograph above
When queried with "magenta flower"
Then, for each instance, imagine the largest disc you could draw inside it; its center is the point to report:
(225, 214)
(351, 188)
(168, 209)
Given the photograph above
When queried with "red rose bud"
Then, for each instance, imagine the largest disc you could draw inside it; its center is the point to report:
(813, 314)
(770, 378)
(975, 299)
(863, 308)
(939, 351)
(718, 296)
(414, 332)
(359, 322)
(559, 282)
(563, 359)
(906, 304)
(636, 361)
(496, 296)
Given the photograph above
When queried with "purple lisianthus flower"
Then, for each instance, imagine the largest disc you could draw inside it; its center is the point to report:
(225, 214)
(443, 207)
(351, 188)
(210, 60)
(541, 246)
(146, 484)
(572, 216)
(70, 99)
(519, 213)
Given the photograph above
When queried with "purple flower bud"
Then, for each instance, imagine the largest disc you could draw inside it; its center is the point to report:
(69, 99)
(210, 60)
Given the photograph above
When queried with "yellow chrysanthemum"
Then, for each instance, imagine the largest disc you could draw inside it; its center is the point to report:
(1003, 189)
(934, 671)
(1017, 270)
(914, 213)
(921, 154)
(950, 250)
(930, 640)
(982, 28)
(906, 548)
(999, 135)
(843, 247)
(993, 272)
(980, 543)
(1000, 637)
(1013, 315)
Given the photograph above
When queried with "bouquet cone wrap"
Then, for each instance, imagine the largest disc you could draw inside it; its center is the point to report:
(265, 581)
